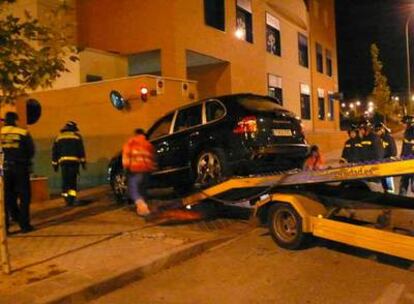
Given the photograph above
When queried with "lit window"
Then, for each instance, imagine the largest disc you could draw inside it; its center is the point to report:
(244, 24)
(275, 87)
(273, 35)
(305, 103)
(303, 50)
(331, 106)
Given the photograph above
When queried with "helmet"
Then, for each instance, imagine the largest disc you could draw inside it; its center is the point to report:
(353, 128)
(71, 125)
(367, 125)
(10, 118)
(381, 126)
(408, 119)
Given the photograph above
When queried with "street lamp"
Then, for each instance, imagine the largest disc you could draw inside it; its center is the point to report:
(407, 45)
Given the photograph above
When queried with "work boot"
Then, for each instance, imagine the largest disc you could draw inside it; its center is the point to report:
(27, 228)
(69, 201)
(142, 207)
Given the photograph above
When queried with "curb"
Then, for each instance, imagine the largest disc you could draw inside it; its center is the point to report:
(108, 284)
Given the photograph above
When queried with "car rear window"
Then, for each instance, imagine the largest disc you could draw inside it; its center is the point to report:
(259, 104)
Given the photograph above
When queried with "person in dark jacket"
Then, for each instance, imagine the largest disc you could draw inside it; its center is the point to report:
(390, 151)
(371, 144)
(68, 152)
(407, 151)
(352, 148)
(18, 149)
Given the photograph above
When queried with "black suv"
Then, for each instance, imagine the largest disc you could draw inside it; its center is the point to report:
(205, 141)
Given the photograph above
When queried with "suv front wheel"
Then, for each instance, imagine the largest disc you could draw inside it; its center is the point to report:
(119, 185)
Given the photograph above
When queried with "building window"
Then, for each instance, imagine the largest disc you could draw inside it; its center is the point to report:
(93, 78)
(214, 14)
(329, 63)
(274, 84)
(305, 103)
(244, 22)
(331, 106)
(303, 50)
(273, 35)
(321, 104)
(319, 58)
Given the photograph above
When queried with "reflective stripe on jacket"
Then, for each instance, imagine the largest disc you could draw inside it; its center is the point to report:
(352, 150)
(138, 155)
(68, 147)
(17, 144)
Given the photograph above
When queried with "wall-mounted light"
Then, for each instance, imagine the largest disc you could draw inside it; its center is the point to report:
(144, 93)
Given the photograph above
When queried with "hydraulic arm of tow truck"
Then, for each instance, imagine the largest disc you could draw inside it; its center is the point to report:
(268, 182)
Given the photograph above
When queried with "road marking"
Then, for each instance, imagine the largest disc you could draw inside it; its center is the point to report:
(391, 294)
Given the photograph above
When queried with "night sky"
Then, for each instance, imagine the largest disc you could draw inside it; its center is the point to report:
(362, 22)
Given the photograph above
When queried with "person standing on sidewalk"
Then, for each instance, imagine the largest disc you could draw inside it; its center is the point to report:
(18, 151)
(68, 152)
(390, 151)
(407, 151)
(138, 160)
(352, 148)
(371, 144)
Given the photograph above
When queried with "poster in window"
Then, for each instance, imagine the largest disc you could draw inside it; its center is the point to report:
(271, 40)
(241, 25)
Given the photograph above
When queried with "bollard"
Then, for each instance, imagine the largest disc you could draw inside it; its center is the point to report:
(4, 253)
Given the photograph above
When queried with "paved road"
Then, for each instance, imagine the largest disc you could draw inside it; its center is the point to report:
(253, 270)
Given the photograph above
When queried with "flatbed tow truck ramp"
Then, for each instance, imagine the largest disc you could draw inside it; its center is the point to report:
(333, 204)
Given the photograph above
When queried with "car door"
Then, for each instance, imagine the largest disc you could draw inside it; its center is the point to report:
(185, 131)
(159, 135)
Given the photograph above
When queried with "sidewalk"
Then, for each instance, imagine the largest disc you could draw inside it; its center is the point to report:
(76, 254)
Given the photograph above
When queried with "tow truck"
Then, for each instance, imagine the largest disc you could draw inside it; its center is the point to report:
(334, 203)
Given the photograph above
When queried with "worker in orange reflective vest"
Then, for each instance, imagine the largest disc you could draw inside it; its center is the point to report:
(314, 161)
(138, 160)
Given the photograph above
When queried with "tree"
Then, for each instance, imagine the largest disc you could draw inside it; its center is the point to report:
(381, 93)
(32, 55)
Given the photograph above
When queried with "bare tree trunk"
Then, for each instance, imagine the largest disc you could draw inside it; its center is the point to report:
(4, 252)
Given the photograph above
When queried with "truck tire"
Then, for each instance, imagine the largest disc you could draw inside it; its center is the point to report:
(285, 226)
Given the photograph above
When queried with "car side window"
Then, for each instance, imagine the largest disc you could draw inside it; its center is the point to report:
(188, 118)
(214, 110)
(162, 127)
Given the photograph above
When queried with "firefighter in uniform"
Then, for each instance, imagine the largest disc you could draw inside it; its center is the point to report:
(68, 152)
(352, 147)
(371, 144)
(18, 151)
(407, 150)
(138, 160)
(390, 151)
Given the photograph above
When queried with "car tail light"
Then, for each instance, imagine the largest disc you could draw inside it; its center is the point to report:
(248, 124)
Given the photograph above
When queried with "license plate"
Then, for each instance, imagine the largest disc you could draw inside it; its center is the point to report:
(282, 132)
